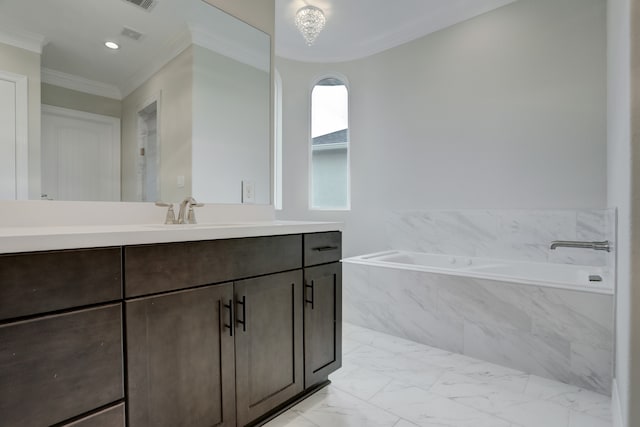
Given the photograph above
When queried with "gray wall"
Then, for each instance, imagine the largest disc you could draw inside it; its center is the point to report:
(506, 110)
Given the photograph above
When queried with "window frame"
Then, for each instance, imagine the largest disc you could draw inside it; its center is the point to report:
(311, 207)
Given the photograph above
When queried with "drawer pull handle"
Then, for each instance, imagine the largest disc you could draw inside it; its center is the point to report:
(230, 325)
(325, 248)
(312, 294)
(243, 322)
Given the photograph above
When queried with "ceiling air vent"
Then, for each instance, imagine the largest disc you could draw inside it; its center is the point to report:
(145, 4)
(132, 34)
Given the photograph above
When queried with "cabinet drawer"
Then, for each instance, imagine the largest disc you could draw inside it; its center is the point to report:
(110, 417)
(40, 282)
(322, 248)
(151, 269)
(58, 367)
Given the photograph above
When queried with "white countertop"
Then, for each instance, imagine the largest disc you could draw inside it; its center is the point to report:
(41, 238)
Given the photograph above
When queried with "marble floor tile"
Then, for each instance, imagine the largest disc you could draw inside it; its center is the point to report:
(579, 419)
(331, 407)
(290, 419)
(383, 362)
(430, 410)
(536, 413)
(496, 376)
(476, 394)
(349, 345)
(362, 383)
(405, 423)
(573, 397)
(391, 382)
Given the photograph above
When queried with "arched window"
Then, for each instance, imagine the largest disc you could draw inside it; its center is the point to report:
(329, 164)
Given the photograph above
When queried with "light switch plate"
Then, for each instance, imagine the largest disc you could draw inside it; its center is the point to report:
(180, 181)
(248, 192)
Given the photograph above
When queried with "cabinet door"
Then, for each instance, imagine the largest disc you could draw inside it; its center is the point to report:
(111, 417)
(57, 367)
(322, 321)
(180, 359)
(269, 360)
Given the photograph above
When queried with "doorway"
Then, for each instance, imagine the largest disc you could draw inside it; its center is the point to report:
(14, 144)
(80, 155)
(149, 153)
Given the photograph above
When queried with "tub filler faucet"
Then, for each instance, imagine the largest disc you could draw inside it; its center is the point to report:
(597, 246)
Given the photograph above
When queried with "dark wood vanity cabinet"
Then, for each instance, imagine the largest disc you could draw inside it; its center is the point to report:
(322, 306)
(322, 321)
(111, 417)
(269, 359)
(219, 355)
(180, 358)
(212, 333)
(54, 368)
(61, 345)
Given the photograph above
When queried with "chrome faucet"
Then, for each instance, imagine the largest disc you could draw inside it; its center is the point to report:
(597, 246)
(189, 202)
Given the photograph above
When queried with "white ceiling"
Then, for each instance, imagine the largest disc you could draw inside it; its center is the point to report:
(71, 36)
(359, 28)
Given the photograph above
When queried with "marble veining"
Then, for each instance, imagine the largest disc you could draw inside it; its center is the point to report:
(509, 234)
(560, 334)
(374, 389)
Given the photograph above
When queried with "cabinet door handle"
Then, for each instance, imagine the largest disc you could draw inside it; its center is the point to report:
(312, 294)
(230, 325)
(325, 248)
(243, 322)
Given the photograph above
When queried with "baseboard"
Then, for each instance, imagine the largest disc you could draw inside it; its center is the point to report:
(616, 407)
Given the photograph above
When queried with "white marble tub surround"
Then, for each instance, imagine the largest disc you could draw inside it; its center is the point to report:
(51, 225)
(561, 334)
(506, 234)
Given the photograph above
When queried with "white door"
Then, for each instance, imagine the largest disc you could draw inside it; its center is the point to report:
(80, 155)
(13, 137)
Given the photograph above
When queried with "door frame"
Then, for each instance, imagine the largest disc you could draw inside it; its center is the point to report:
(114, 122)
(22, 132)
(157, 98)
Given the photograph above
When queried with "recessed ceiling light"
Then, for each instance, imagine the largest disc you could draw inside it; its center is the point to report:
(112, 45)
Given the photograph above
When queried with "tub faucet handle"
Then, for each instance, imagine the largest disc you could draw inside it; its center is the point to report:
(604, 245)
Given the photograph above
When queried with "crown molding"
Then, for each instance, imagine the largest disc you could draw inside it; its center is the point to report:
(80, 84)
(173, 48)
(230, 48)
(23, 39)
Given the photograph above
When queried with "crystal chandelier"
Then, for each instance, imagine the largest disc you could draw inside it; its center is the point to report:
(310, 21)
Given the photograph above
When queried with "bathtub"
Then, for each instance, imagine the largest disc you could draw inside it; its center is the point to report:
(546, 319)
(563, 276)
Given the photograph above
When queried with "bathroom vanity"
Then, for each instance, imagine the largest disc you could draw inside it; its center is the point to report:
(169, 331)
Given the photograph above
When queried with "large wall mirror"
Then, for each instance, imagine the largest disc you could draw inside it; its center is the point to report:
(181, 106)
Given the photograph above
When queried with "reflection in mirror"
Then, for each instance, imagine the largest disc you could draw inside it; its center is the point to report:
(180, 108)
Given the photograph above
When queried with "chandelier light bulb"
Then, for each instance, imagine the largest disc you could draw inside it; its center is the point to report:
(310, 21)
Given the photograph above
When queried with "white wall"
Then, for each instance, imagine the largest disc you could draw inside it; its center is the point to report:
(174, 84)
(506, 110)
(27, 63)
(623, 176)
(231, 128)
